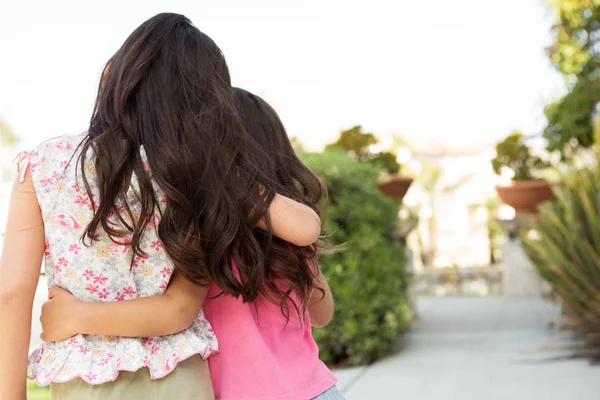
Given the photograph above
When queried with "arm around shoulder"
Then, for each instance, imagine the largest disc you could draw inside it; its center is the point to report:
(292, 221)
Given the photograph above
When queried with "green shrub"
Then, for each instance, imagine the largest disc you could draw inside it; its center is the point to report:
(367, 277)
(566, 253)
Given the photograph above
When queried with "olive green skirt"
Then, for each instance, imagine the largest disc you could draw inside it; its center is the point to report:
(189, 381)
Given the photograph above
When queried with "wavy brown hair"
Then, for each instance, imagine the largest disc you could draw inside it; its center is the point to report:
(289, 268)
(168, 89)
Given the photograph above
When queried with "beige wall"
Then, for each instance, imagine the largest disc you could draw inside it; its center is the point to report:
(461, 234)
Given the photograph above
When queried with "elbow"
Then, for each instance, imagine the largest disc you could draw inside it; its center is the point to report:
(184, 317)
(308, 238)
(310, 234)
(321, 314)
(321, 321)
(176, 316)
(11, 295)
(14, 303)
(318, 323)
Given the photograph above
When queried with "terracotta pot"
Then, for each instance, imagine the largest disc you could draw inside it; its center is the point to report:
(525, 196)
(397, 187)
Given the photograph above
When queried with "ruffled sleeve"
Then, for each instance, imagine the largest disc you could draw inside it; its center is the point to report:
(47, 164)
(22, 161)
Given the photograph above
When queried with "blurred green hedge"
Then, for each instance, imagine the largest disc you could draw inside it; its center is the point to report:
(367, 277)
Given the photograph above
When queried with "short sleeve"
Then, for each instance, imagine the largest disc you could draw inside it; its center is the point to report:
(24, 213)
(47, 163)
(22, 162)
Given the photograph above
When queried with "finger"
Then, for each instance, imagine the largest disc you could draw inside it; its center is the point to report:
(52, 292)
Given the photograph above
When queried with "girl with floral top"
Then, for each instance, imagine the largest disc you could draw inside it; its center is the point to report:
(264, 353)
(165, 180)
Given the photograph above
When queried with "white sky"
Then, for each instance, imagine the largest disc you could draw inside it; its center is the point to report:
(462, 71)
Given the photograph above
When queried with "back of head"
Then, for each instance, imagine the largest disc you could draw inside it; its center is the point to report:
(168, 89)
(277, 158)
(274, 155)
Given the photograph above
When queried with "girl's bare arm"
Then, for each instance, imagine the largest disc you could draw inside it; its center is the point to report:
(22, 255)
(64, 315)
(292, 221)
(321, 306)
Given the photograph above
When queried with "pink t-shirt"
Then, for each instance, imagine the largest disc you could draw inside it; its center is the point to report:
(260, 357)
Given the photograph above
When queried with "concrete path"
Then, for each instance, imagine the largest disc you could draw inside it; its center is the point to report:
(475, 349)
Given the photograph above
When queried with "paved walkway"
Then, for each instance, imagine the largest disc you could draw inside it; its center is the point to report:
(473, 348)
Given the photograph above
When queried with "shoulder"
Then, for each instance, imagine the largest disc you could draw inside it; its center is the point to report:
(55, 147)
(49, 159)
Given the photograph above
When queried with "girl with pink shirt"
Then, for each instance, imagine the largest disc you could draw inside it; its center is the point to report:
(166, 179)
(266, 349)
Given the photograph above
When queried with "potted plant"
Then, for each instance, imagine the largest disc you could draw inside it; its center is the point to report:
(395, 185)
(359, 145)
(527, 190)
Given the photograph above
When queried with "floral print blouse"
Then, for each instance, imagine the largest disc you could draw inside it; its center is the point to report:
(100, 271)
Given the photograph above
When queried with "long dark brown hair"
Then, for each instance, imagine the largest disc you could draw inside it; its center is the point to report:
(289, 268)
(168, 89)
